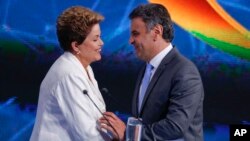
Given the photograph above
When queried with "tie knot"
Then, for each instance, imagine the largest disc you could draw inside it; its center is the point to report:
(149, 67)
(148, 70)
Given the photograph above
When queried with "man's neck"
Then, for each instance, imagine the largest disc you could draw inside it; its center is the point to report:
(158, 47)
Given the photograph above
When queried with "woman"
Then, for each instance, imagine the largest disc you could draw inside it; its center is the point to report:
(64, 112)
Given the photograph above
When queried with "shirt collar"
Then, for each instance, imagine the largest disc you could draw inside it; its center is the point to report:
(155, 62)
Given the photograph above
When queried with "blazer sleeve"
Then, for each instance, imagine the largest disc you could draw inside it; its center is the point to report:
(186, 96)
(76, 108)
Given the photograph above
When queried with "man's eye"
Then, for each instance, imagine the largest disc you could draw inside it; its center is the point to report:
(135, 34)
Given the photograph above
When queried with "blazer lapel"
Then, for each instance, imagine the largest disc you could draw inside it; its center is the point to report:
(156, 76)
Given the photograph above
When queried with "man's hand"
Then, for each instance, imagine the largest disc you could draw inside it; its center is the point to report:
(117, 127)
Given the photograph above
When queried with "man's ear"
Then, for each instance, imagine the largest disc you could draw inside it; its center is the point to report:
(158, 31)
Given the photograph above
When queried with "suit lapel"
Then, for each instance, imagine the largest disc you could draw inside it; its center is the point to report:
(156, 76)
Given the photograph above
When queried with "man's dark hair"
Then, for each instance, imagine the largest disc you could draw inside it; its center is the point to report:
(153, 14)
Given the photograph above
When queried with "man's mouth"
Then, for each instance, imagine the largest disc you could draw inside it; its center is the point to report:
(99, 50)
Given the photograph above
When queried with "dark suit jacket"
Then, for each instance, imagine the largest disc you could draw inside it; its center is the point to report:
(173, 104)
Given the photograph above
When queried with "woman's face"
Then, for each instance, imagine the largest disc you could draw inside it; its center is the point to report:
(90, 49)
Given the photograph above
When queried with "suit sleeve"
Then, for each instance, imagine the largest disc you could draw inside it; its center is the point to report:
(185, 97)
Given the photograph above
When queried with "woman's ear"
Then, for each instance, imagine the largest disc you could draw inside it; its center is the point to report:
(75, 48)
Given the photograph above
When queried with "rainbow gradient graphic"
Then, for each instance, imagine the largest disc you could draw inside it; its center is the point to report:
(208, 21)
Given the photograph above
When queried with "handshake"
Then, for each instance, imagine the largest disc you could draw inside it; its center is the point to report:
(117, 127)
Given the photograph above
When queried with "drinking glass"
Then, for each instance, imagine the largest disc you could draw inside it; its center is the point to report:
(133, 130)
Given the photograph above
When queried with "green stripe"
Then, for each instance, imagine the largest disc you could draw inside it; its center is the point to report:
(236, 50)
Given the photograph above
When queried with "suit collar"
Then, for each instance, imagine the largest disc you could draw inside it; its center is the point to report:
(155, 61)
(156, 76)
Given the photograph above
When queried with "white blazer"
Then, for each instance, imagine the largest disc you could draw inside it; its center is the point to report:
(64, 113)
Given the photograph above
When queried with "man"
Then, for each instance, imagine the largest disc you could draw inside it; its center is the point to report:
(171, 105)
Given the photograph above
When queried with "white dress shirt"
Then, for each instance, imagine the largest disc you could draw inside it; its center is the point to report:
(64, 113)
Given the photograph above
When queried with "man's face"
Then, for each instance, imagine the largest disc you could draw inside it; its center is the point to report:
(141, 39)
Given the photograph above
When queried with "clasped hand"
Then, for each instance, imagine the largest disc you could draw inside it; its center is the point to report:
(113, 124)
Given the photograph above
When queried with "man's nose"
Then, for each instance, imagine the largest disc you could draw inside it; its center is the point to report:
(131, 40)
